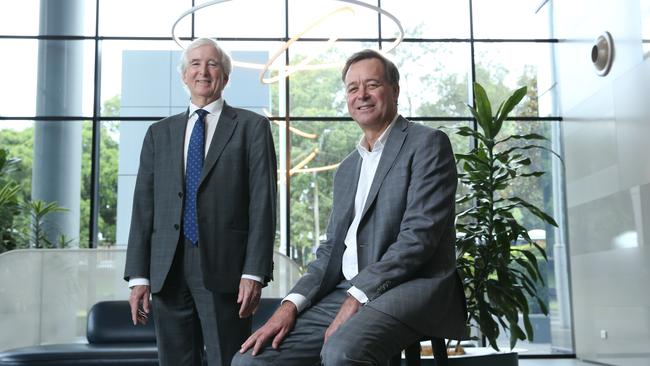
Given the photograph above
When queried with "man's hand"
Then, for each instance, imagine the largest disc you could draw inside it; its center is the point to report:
(349, 307)
(277, 327)
(139, 302)
(248, 297)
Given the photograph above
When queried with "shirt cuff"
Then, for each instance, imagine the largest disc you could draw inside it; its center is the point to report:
(358, 294)
(253, 277)
(138, 282)
(300, 301)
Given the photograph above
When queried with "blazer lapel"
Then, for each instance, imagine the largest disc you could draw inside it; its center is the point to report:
(392, 148)
(348, 181)
(177, 144)
(222, 134)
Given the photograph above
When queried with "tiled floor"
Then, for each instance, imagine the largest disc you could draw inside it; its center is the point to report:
(553, 362)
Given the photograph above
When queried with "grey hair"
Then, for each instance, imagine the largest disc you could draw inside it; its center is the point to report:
(226, 62)
(391, 74)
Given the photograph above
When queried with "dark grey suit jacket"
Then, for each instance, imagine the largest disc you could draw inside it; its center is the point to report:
(405, 240)
(236, 203)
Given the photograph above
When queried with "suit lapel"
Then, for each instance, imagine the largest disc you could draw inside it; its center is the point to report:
(177, 144)
(392, 148)
(222, 134)
(348, 181)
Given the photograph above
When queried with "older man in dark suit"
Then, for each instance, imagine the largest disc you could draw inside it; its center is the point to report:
(203, 224)
(389, 246)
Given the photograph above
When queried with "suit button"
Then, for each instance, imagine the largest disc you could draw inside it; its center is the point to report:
(177, 226)
(180, 194)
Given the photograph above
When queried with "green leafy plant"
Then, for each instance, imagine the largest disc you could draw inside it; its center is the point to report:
(23, 224)
(37, 233)
(9, 206)
(497, 274)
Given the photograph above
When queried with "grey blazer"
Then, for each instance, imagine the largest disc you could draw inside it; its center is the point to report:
(406, 252)
(236, 201)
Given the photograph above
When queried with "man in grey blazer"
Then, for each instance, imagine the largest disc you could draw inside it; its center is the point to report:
(385, 276)
(203, 222)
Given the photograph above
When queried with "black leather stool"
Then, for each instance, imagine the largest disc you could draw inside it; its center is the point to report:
(412, 354)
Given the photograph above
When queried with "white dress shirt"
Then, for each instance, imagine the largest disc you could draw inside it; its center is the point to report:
(350, 265)
(214, 112)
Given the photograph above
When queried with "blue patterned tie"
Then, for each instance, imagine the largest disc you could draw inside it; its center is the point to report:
(194, 165)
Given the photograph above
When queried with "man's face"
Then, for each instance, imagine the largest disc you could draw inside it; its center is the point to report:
(204, 75)
(372, 101)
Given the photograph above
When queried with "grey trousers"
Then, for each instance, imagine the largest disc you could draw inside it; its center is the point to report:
(191, 321)
(370, 337)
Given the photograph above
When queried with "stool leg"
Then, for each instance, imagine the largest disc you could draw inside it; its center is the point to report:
(439, 351)
(396, 360)
(413, 355)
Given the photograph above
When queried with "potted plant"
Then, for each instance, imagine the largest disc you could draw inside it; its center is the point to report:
(499, 277)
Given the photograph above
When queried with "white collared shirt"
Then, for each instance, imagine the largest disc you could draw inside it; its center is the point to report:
(350, 264)
(369, 164)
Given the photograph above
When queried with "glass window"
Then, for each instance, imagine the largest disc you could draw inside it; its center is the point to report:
(428, 19)
(539, 192)
(19, 18)
(511, 19)
(504, 67)
(18, 75)
(645, 28)
(23, 18)
(109, 154)
(319, 91)
(240, 19)
(143, 18)
(48, 174)
(316, 150)
(65, 76)
(322, 19)
(433, 79)
(139, 80)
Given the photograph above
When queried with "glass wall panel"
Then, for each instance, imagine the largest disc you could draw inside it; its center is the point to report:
(18, 75)
(139, 81)
(65, 78)
(511, 19)
(108, 177)
(428, 19)
(320, 91)
(21, 18)
(322, 19)
(552, 330)
(316, 150)
(45, 172)
(645, 28)
(143, 18)
(139, 78)
(241, 19)
(433, 79)
(504, 67)
(122, 141)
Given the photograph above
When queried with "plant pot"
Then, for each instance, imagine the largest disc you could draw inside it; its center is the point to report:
(478, 356)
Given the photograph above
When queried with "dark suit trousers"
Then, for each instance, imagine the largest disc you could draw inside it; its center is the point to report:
(369, 337)
(190, 318)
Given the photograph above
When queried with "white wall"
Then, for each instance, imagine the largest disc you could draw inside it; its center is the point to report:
(606, 132)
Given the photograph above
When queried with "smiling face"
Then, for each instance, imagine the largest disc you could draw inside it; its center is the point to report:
(372, 100)
(204, 75)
